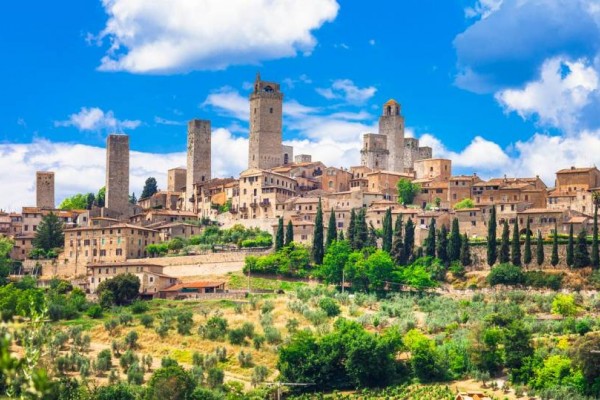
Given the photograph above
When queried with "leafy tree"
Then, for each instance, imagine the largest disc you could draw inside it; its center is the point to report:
(570, 247)
(505, 274)
(557, 371)
(581, 256)
(133, 199)
(505, 244)
(335, 259)
(279, 239)
(407, 191)
(289, 233)
(170, 383)
(330, 306)
(388, 232)
(351, 227)
(150, 188)
(540, 249)
(91, 199)
(454, 242)
(527, 251)
(409, 242)
(49, 234)
(372, 236)
(585, 358)
(442, 245)
(564, 305)
(397, 244)
(76, 202)
(318, 251)
(331, 229)
(379, 269)
(424, 360)
(465, 252)
(515, 251)
(554, 261)
(120, 290)
(361, 231)
(430, 241)
(492, 250)
(100, 197)
(518, 349)
(464, 203)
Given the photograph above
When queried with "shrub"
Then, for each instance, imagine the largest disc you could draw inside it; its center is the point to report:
(215, 378)
(95, 311)
(258, 341)
(259, 375)
(185, 322)
(540, 279)
(272, 335)
(583, 326)
(162, 330)
(127, 360)
(103, 361)
(131, 340)
(111, 325)
(167, 362)
(564, 304)
(125, 319)
(248, 328)
(221, 353)
(237, 336)
(215, 328)
(245, 359)
(267, 307)
(330, 306)
(135, 374)
(197, 359)
(146, 320)
(505, 274)
(139, 307)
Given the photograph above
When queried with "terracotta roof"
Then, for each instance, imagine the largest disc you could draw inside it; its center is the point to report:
(117, 226)
(577, 220)
(540, 211)
(390, 102)
(193, 285)
(123, 264)
(574, 170)
(467, 209)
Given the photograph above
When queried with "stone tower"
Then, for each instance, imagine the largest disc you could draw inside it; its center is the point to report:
(117, 173)
(44, 189)
(176, 179)
(266, 103)
(198, 158)
(391, 124)
(374, 153)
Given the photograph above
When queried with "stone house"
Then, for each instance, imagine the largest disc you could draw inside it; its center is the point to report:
(152, 278)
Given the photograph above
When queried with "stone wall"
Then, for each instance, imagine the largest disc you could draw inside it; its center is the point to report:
(479, 254)
(176, 178)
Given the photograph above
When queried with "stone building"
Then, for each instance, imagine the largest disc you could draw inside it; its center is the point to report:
(386, 182)
(335, 179)
(161, 200)
(437, 169)
(151, 276)
(266, 110)
(391, 124)
(302, 158)
(287, 154)
(44, 189)
(176, 179)
(198, 159)
(414, 152)
(374, 154)
(263, 193)
(574, 189)
(117, 173)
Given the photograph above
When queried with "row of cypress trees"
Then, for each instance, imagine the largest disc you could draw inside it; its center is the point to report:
(577, 255)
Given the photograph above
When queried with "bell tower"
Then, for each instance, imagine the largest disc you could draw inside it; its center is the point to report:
(266, 110)
(391, 124)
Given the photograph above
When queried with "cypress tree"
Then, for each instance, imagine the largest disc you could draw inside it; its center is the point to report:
(442, 245)
(465, 252)
(504, 255)
(540, 249)
(527, 252)
(318, 251)
(361, 231)
(582, 257)
(331, 229)
(515, 251)
(454, 243)
(387, 231)
(409, 242)
(279, 236)
(372, 237)
(430, 242)
(554, 260)
(289, 233)
(49, 233)
(570, 247)
(397, 244)
(341, 236)
(351, 227)
(492, 250)
(594, 260)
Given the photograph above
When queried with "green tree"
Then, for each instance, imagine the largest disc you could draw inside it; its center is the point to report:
(76, 202)
(120, 290)
(518, 349)
(581, 257)
(150, 188)
(454, 242)
(132, 199)
(465, 252)
(351, 227)
(594, 258)
(554, 261)
(361, 231)
(564, 305)
(540, 249)
(409, 242)
(492, 249)
(442, 245)
(336, 258)
(387, 231)
(397, 244)
(527, 252)
(172, 383)
(504, 256)
(49, 234)
(515, 251)
(379, 268)
(289, 233)
(464, 203)
(91, 199)
(570, 247)
(331, 229)
(430, 241)
(318, 251)
(279, 239)
(407, 191)
(100, 197)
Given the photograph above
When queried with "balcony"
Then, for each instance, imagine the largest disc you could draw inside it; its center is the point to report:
(243, 209)
(265, 203)
(254, 205)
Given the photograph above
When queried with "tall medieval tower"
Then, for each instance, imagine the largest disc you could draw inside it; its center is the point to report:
(266, 109)
(117, 173)
(391, 124)
(44, 189)
(198, 158)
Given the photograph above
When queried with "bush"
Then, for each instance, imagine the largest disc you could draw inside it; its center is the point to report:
(540, 279)
(505, 274)
(173, 383)
(135, 374)
(120, 290)
(272, 335)
(245, 359)
(237, 336)
(131, 340)
(146, 320)
(139, 307)
(259, 375)
(215, 377)
(125, 319)
(215, 328)
(185, 322)
(95, 311)
(330, 306)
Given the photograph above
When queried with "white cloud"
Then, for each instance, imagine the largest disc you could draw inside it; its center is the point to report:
(483, 8)
(372, 42)
(95, 119)
(229, 102)
(164, 121)
(164, 36)
(557, 97)
(346, 89)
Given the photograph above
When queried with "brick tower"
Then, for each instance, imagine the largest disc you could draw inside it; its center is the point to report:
(391, 124)
(266, 101)
(44, 189)
(198, 158)
(117, 173)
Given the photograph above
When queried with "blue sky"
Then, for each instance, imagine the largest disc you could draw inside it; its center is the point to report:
(498, 86)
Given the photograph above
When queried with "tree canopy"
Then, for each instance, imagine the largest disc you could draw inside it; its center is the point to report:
(49, 233)
(150, 188)
(407, 191)
(120, 290)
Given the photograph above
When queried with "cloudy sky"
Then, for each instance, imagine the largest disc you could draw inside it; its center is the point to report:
(499, 86)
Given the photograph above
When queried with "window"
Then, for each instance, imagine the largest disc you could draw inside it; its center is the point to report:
(473, 223)
(271, 110)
